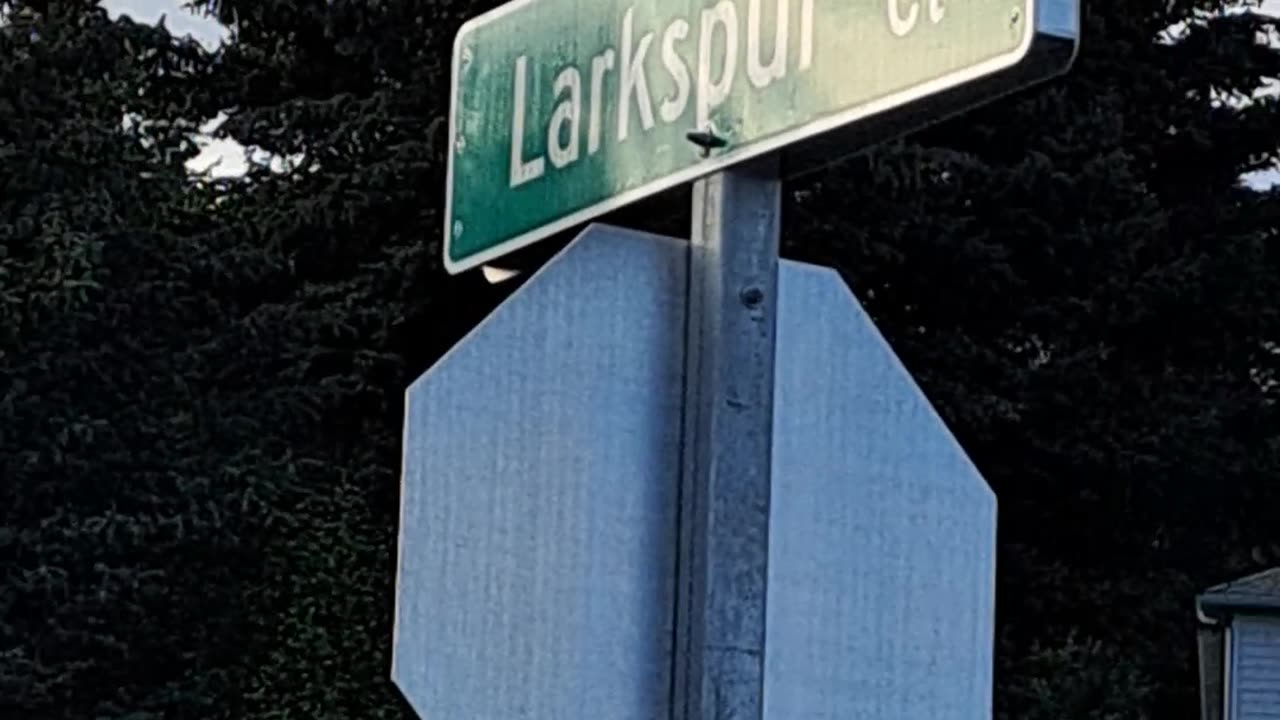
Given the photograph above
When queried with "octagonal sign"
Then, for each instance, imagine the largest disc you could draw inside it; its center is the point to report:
(538, 526)
(538, 540)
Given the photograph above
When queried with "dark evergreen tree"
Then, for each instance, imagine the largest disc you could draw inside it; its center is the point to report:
(150, 430)
(200, 383)
(347, 97)
(1081, 284)
(117, 536)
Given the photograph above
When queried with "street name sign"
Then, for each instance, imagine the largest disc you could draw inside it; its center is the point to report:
(562, 110)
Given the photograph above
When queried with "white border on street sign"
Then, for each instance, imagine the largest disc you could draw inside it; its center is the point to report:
(708, 166)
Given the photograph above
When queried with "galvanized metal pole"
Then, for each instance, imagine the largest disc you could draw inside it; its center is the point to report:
(728, 428)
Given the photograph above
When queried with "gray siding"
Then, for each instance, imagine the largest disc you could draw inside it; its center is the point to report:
(1255, 669)
(1211, 640)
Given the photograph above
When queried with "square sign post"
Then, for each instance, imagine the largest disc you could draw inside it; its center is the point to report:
(563, 110)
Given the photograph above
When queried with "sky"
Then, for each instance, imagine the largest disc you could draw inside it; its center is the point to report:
(225, 157)
(222, 157)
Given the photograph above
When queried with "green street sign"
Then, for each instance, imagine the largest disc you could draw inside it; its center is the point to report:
(563, 110)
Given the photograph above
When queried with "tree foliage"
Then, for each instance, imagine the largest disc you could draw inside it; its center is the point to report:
(201, 380)
(120, 528)
(1083, 287)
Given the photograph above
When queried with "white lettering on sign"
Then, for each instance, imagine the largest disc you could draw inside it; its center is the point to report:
(521, 171)
(633, 80)
(806, 34)
(760, 74)
(673, 107)
(568, 113)
(712, 95)
(600, 65)
(901, 24)
(731, 43)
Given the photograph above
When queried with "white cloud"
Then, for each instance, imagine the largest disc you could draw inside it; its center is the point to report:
(1262, 179)
(180, 21)
(1268, 178)
(218, 157)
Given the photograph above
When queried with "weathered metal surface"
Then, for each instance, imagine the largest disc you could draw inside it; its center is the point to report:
(538, 554)
(732, 311)
(538, 526)
(882, 536)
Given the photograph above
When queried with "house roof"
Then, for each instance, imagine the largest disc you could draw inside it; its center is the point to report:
(1257, 593)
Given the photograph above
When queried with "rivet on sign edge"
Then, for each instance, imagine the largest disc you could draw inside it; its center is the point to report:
(706, 139)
